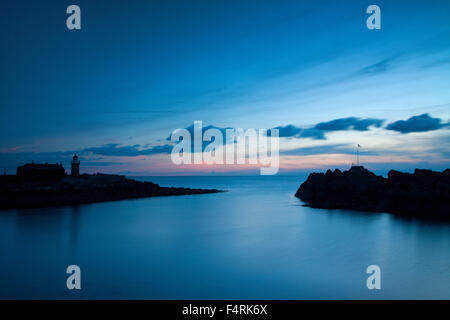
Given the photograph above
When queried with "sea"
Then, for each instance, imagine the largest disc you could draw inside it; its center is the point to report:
(254, 241)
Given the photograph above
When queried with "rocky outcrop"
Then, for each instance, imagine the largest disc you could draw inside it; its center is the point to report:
(15, 193)
(424, 193)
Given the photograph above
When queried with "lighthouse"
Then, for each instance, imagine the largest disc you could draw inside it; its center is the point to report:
(75, 170)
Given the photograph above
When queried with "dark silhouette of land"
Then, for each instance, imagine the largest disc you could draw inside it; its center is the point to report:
(44, 185)
(425, 193)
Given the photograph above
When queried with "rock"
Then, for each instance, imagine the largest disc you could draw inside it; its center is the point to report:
(15, 193)
(424, 193)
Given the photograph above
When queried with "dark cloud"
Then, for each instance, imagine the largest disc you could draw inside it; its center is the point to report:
(350, 149)
(328, 149)
(312, 133)
(318, 131)
(421, 123)
(350, 123)
(117, 150)
(10, 160)
(364, 124)
(436, 63)
(190, 129)
(288, 131)
(378, 67)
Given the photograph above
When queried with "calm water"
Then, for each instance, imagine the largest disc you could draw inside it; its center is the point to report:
(254, 242)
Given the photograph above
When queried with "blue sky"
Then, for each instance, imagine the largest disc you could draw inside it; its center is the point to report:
(138, 70)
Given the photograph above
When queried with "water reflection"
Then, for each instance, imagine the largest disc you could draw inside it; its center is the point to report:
(75, 213)
(254, 242)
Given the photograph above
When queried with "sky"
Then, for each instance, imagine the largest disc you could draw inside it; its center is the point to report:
(114, 91)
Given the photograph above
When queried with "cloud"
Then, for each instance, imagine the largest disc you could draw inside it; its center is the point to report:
(318, 131)
(291, 131)
(117, 150)
(91, 157)
(436, 63)
(350, 123)
(190, 129)
(312, 133)
(10, 160)
(288, 131)
(327, 149)
(421, 123)
(379, 67)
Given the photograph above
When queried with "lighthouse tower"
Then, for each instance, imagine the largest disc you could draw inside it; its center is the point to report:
(75, 170)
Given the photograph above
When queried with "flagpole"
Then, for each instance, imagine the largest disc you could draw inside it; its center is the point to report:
(357, 154)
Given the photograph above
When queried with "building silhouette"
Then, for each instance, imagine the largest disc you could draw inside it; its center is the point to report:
(41, 172)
